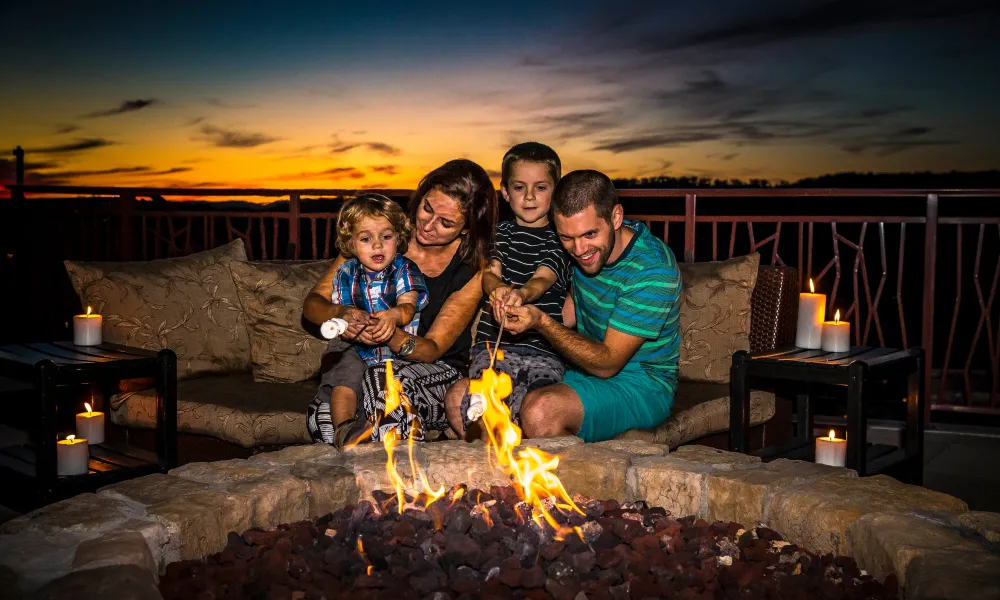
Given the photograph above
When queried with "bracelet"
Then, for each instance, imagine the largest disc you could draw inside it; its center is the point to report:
(406, 348)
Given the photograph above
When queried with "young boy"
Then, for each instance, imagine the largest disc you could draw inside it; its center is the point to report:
(528, 266)
(377, 285)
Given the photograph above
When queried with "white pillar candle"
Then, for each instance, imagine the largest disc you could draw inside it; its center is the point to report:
(72, 455)
(812, 311)
(836, 335)
(90, 425)
(831, 451)
(87, 329)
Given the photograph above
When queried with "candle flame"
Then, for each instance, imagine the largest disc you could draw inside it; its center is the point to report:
(89, 410)
(831, 435)
(70, 438)
(836, 317)
(88, 310)
(812, 288)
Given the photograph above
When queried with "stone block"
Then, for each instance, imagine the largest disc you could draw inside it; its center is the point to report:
(221, 472)
(452, 462)
(633, 447)
(118, 548)
(86, 513)
(677, 481)
(817, 515)
(30, 560)
(371, 474)
(552, 445)
(945, 575)
(744, 496)
(986, 524)
(122, 582)
(153, 489)
(331, 487)
(286, 457)
(198, 523)
(594, 472)
(155, 533)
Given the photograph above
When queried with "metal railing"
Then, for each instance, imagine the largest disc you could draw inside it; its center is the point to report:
(876, 252)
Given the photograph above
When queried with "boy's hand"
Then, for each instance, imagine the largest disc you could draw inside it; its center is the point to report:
(382, 324)
(501, 298)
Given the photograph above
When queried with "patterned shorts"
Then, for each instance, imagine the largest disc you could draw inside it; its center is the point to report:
(424, 385)
(529, 370)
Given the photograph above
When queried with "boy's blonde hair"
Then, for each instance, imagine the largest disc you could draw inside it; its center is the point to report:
(370, 205)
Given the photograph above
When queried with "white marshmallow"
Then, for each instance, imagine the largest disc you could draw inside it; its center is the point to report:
(333, 328)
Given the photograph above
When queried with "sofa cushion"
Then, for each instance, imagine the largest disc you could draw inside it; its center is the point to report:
(701, 409)
(715, 316)
(187, 304)
(284, 348)
(233, 408)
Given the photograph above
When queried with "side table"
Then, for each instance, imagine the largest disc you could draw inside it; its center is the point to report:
(55, 367)
(854, 370)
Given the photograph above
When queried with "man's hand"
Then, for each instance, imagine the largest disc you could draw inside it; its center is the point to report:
(523, 318)
(382, 324)
(503, 298)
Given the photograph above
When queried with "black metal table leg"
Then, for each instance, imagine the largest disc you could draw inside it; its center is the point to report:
(166, 408)
(739, 402)
(915, 422)
(803, 419)
(45, 465)
(857, 424)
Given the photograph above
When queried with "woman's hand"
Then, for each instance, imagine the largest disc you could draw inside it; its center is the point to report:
(503, 298)
(382, 325)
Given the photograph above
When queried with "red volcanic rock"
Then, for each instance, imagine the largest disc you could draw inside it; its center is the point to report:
(481, 545)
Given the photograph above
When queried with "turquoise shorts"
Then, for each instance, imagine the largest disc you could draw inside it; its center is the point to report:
(626, 401)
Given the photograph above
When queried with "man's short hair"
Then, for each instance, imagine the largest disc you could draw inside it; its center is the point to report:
(530, 152)
(580, 189)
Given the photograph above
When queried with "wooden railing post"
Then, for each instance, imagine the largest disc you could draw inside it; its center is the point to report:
(126, 212)
(294, 238)
(18, 173)
(690, 211)
(930, 266)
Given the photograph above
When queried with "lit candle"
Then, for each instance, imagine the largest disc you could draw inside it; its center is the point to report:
(812, 309)
(90, 425)
(87, 329)
(72, 455)
(836, 335)
(831, 451)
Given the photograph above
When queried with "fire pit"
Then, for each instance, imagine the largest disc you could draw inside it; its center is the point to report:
(477, 544)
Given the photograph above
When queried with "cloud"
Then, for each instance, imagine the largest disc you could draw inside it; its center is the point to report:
(171, 171)
(883, 111)
(228, 138)
(97, 172)
(63, 128)
(494, 174)
(386, 169)
(216, 102)
(125, 107)
(383, 148)
(664, 140)
(339, 146)
(901, 140)
(80, 145)
(532, 60)
(334, 174)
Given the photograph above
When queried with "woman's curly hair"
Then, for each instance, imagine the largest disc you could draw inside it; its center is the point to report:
(370, 205)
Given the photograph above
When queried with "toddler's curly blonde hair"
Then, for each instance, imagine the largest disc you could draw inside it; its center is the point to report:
(370, 205)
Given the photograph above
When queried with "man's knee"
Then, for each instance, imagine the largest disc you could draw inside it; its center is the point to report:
(537, 416)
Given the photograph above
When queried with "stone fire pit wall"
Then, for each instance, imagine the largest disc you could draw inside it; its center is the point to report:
(123, 536)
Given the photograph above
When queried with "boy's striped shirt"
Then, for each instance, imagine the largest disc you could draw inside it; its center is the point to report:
(638, 294)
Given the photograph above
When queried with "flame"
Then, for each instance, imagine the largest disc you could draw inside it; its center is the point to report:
(88, 310)
(831, 435)
(812, 288)
(89, 410)
(361, 551)
(70, 438)
(836, 317)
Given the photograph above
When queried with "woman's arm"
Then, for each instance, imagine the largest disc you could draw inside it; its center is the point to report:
(317, 306)
(454, 317)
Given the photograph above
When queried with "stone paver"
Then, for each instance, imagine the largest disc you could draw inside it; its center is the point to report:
(153, 489)
(634, 447)
(32, 559)
(744, 496)
(986, 524)
(119, 548)
(953, 574)
(331, 487)
(457, 461)
(677, 481)
(121, 582)
(552, 445)
(817, 515)
(594, 472)
(85, 513)
(198, 523)
(221, 472)
(286, 457)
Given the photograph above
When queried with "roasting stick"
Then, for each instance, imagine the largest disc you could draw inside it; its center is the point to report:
(496, 347)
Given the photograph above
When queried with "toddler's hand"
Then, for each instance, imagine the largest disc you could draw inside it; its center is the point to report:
(382, 324)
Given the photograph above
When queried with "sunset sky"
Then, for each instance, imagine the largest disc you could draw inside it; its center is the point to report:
(374, 94)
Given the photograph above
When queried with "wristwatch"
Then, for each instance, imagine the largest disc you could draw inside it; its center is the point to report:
(406, 348)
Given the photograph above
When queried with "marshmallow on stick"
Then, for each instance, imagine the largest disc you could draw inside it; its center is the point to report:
(333, 328)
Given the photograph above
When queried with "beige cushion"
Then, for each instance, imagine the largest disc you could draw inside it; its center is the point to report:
(271, 293)
(715, 316)
(701, 409)
(242, 411)
(187, 304)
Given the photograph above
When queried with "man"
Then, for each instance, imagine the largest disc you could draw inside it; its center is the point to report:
(626, 297)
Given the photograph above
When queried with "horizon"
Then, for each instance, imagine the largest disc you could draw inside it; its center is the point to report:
(341, 97)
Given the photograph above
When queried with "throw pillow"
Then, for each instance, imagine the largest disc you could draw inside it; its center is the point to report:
(187, 304)
(284, 348)
(715, 316)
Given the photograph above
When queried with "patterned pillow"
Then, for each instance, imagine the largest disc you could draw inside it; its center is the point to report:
(284, 348)
(187, 304)
(715, 316)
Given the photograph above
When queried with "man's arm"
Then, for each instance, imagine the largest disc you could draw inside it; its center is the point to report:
(603, 359)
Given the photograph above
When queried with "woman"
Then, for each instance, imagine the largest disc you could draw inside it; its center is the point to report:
(453, 212)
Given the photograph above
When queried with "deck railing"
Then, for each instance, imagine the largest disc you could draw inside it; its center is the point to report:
(905, 267)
